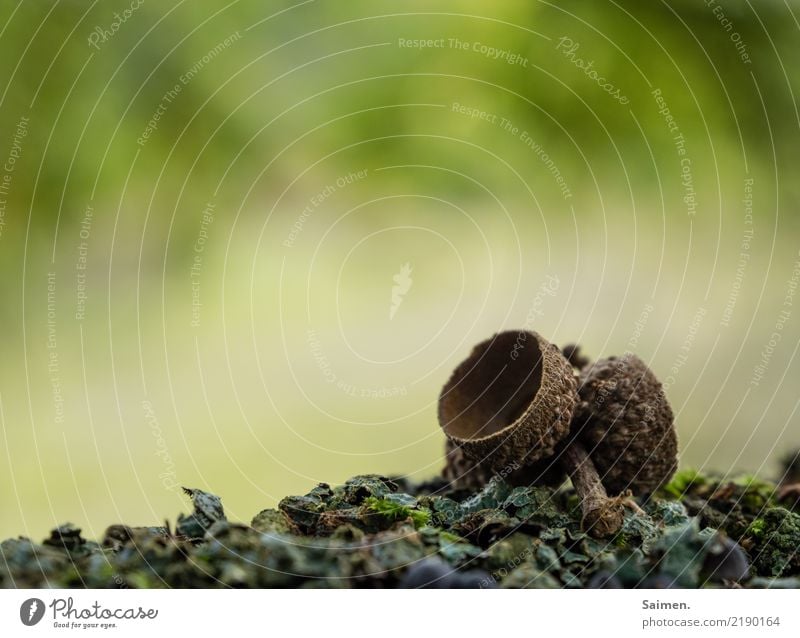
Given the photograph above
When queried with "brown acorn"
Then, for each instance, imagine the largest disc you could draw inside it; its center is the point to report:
(462, 473)
(602, 514)
(625, 422)
(503, 409)
(507, 405)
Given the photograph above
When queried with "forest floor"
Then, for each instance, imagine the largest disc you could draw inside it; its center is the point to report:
(373, 531)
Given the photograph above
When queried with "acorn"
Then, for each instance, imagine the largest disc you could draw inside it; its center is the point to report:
(506, 410)
(507, 405)
(602, 515)
(462, 473)
(626, 424)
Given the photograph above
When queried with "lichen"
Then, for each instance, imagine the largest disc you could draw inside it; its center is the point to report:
(371, 530)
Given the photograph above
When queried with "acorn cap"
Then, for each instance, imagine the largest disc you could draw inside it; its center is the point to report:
(510, 402)
(463, 473)
(626, 423)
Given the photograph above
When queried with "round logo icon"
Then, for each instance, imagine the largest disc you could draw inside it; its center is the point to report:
(31, 611)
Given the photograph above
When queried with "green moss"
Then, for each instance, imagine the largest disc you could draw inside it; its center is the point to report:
(394, 511)
(756, 494)
(450, 538)
(776, 546)
(682, 482)
(757, 528)
(728, 505)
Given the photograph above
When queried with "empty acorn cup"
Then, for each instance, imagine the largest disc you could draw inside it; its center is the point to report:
(506, 406)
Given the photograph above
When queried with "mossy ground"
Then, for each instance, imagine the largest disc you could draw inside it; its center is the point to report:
(370, 531)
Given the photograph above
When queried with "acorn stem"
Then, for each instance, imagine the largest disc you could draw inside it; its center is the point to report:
(602, 514)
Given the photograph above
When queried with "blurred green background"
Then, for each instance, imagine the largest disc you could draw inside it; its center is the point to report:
(203, 210)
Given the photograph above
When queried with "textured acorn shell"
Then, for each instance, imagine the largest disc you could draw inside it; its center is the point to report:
(462, 473)
(510, 402)
(626, 423)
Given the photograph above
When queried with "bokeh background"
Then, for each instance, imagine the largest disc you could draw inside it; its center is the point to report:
(205, 207)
